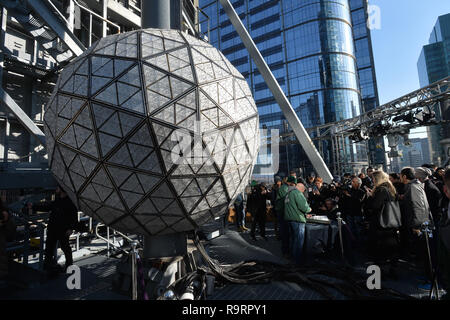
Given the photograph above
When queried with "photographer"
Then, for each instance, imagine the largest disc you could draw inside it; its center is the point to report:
(310, 183)
(353, 202)
(368, 180)
(333, 191)
(347, 179)
(318, 196)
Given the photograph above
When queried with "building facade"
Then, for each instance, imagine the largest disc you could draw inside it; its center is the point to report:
(320, 52)
(414, 154)
(434, 65)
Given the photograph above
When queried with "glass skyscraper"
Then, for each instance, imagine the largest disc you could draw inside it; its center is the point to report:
(434, 65)
(320, 53)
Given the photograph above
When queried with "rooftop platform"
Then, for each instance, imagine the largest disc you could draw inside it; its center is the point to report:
(98, 270)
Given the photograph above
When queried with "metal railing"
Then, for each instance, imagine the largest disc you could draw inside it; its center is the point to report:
(206, 19)
(27, 229)
(107, 239)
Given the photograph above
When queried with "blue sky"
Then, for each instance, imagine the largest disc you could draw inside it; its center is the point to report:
(405, 28)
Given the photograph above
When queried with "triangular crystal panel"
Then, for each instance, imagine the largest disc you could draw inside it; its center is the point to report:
(107, 142)
(121, 156)
(108, 95)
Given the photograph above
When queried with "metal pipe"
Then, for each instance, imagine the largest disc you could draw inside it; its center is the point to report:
(107, 236)
(90, 30)
(155, 14)
(341, 242)
(107, 241)
(133, 270)
(105, 15)
(278, 94)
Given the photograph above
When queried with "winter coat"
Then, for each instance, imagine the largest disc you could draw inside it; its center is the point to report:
(256, 202)
(295, 206)
(375, 204)
(63, 214)
(415, 204)
(281, 193)
(434, 197)
(352, 205)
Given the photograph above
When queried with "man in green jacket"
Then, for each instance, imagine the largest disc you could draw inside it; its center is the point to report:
(295, 209)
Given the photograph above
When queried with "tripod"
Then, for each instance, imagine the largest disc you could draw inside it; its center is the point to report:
(428, 231)
(341, 242)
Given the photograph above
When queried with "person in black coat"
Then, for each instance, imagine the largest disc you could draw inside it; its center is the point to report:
(63, 220)
(318, 195)
(383, 243)
(368, 179)
(353, 200)
(257, 205)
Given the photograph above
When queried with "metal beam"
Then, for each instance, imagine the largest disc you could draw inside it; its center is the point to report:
(105, 16)
(280, 97)
(22, 116)
(57, 26)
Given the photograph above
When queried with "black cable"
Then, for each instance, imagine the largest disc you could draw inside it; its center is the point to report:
(257, 272)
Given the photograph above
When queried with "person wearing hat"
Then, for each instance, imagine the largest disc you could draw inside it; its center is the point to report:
(434, 196)
(295, 209)
(273, 198)
(259, 197)
(415, 211)
(279, 207)
(310, 182)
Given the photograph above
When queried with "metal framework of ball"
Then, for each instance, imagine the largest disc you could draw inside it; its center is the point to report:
(117, 125)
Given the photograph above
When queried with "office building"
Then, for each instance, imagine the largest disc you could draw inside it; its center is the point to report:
(320, 52)
(434, 65)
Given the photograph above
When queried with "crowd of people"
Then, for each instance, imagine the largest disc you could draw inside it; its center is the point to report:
(383, 215)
